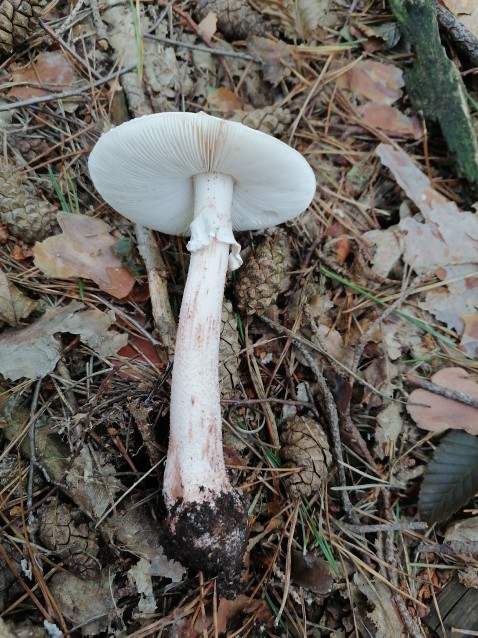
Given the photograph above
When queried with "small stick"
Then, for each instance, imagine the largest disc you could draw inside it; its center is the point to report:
(331, 415)
(451, 548)
(460, 36)
(158, 288)
(293, 523)
(385, 527)
(101, 32)
(72, 16)
(10, 106)
(410, 623)
(31, 442)
(454, 395)
(200, 47)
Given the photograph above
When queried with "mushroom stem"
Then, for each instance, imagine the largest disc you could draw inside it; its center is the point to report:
(207, 518)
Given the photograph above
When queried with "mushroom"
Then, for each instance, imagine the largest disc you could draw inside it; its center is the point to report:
(198, 175)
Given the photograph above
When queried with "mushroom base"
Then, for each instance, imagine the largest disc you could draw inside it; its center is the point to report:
(210, 536)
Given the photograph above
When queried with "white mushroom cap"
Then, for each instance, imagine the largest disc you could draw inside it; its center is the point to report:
(145, 168)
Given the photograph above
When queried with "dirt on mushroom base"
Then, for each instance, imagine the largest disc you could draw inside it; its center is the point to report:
(210, 537)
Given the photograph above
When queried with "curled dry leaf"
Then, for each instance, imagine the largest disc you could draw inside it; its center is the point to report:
(437, 413)
(85, 249)
(304, 446)
(14, 305)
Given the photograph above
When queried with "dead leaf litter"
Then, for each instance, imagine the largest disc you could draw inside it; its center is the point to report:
(349, 336)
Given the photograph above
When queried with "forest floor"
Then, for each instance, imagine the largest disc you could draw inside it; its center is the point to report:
(348, 344)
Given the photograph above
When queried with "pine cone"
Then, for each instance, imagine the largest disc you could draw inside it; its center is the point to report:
(236, 19)
(304, 445)
(27, 216)
(264, 275)
(61, 530)
(268, 120)
(18, 18)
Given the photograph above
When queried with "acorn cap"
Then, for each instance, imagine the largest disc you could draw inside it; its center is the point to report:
(144, 169)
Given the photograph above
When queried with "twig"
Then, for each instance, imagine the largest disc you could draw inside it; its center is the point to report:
(71, 18)
(385, 527)
(65, 94)
(451, 548)
(442, 391)
(200, 47)
(330, 410)
(158, 288)
(459, 35)
(101, 33)
(347, 424)
(293, 523)
(62, 371)
(141, 329)
(413, 629)
(31, 444)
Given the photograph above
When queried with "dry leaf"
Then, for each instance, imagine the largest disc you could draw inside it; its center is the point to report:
(227, 611)
(138, 350)
(469, 339)
(84, 250)
(311, 572)
(389, 426)
(208, 26)
(463, 531)
(50, 69)
(380, 36)
(385, 251)
(297, 18)
(385, 614)
(271, 53)
(377, 82)
(14, 305)
(224, 102)
(391, 120)
(87, 604)
(34, 351)
(445, 242)
(140, 576)
(437, 413)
